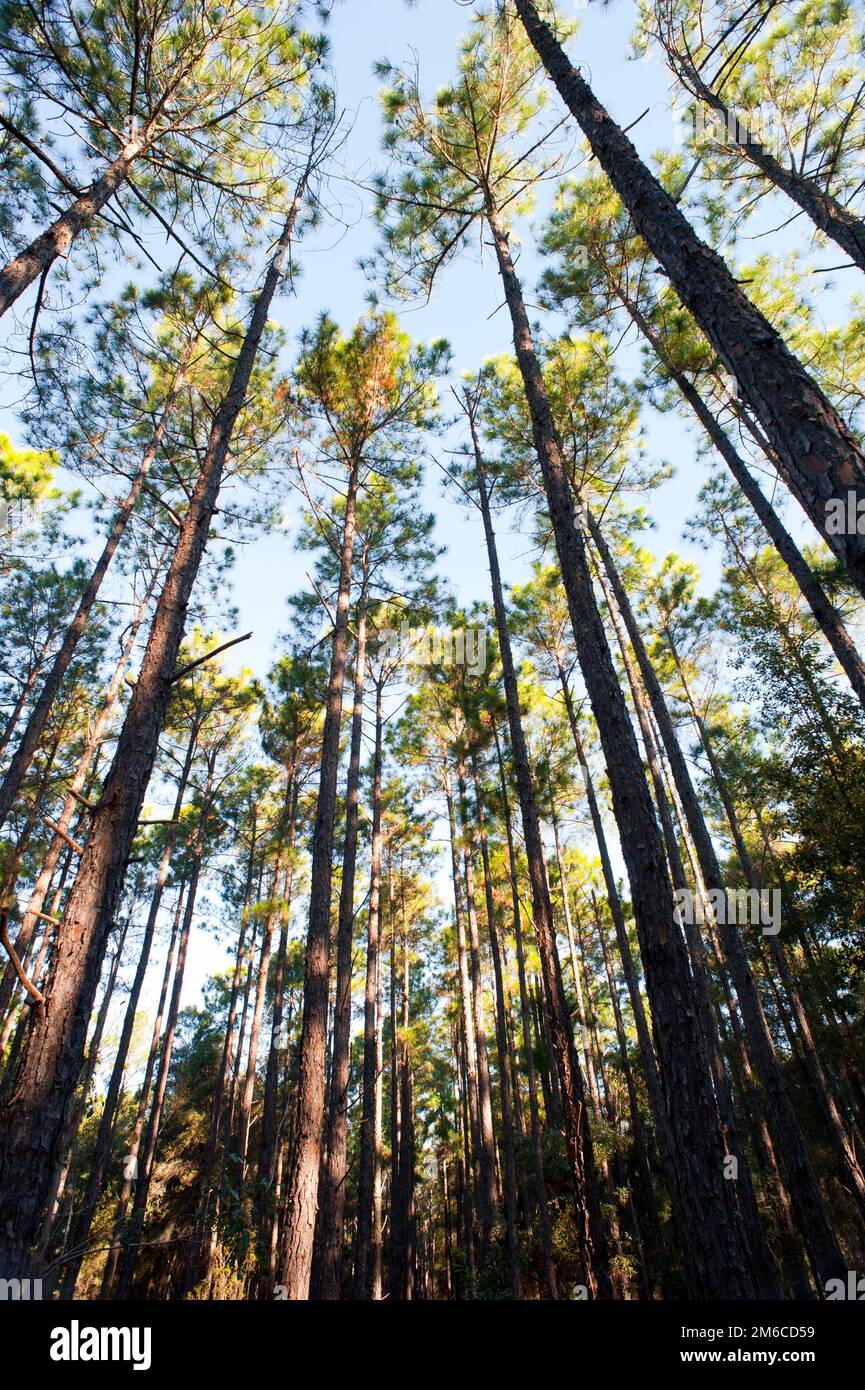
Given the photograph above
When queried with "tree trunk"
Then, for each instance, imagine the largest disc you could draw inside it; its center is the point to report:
(102, 1149)
(270, 1120)
(303, 1176)
(208, 1162)
(534, 1117)
(33, 1122)
(61, 1188)
(588, 1060)
(327, 1270)
(64, 820)
(23, 755)
(647, 1052)
(131, 1165)
(37, 258)
(377, 1251)
(641, 1146)
(363, 1259)
(466, 1019)
(825, 613)
(844, 1151)
(818, 457)
(401, 1197)
(586, 1194)
(241, 1143)
(142, 1189)
(511, 1215)
(486, 1155)
(820, 1239)
(838, 222)
(720, 1262)
(27, 684)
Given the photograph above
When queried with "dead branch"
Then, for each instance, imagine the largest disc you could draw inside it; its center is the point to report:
(185, 670)
(82, 800)
(31, 989)
(58, 830)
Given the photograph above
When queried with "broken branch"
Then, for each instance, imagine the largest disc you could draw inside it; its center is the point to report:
(58, 830)
(185, 670)
(16, 964)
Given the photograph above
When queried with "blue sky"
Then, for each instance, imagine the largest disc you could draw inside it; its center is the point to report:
(466, 305)
(465, 308)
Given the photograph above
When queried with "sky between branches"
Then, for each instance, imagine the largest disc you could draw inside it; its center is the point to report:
(465, 308)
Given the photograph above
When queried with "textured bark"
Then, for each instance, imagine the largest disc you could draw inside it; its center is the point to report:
(23, 755)
(590, 1229)
(844, 1151)
(62, 1188)
(77, 784)
(822, 1244)
(31, 1126)
(271, 1124)
(720, 1263)
(102, 1149)
(303, 1174)
(208, 1162)
(486, 1156)
(825, 613)
(372, 1022)
(534, 1117)
(510, 1166)
(327, 1267)
(130, 1169)
(142, 1188)
(817, 456)
(38, 258)
(839, 223)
